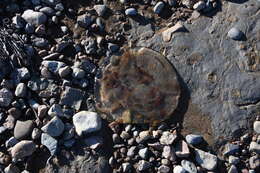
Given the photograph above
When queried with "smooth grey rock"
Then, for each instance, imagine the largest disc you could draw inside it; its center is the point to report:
(163, 169)
(126, 167)
(235, 34)
(11, 168)
(199, 5)
(143, 136)
(168, 153)
(158, 7)
(130, 12)
(78, 73)
(64, 71)
(55, 110)
(34, 17)
(53, 66)
(143, 153)
(230, 149)
(178, 169)
(50, 142)
(6, 97)
(143, 165)
(194, 139)
(23, 129)
(21, 90)
(189, 166)
(206, 160)
(167, 138)
(100, 9)
(42, 111)
(72, 97)
(84, 20)
(182, 149)
(254, 147)
(86, 122)
(257, 127)
(11, 142)
(131, 151)
(54, 127)
(233, 160)
(23, 149)
(20, 74)
(94, 142)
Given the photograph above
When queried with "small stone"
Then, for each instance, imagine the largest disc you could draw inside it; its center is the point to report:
(113, 47)
(36, 134)
(206, 160)
(18, 21)
(15, 112)
(167, 138)
(158, 7)
(126, 167)
(55, 110)
(11, 142)
(131, 151)
(86, 122)
(49, 142)
(4, 159)
(42, 110)
(233, 169)
(233, 160)
(130, 12)
(9, 122)
(257, 127)
(21, 90)
(163, 169)
(194, 139)
(168, 153)
(6, 97)
(69, 143)
(235, 34)
(11, 169)
(23, 149)
(167, 34)
(165, 162)
(48, 11)
(189, 166)
(199, 5)
(72, 97)
(78, 73)
(178, 169)
(182, 149)
(254, 162)
(64, 71)
(143, 165)
(125, 135)
(143, 153)
(254, 147)
(54, 127)
(34, 17)
(23, 129)
(53, 66)
(84, 20)
(94, 142)
(100, 9)
(143, 136)
(230, 149)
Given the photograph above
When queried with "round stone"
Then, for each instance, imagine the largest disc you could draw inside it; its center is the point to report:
(140, 86)
(131, 12)
(235, 34)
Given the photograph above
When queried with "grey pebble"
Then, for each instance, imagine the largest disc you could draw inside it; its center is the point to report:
(34, 17)
(235, 34)
(100, 9)
(54, 127)
(50, 142)
(158, 7)
(131, 12)
(23, 129)
(21, 90)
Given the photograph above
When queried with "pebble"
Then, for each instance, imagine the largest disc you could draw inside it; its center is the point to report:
(189, 166)
(100, 9)
(64, 71)
(167, 138)
(199, 5)
(143, 136)
(131, 12)
(11, 142)
(54, 127)
(168, 153)
(126, 167)
(125, 135)
(72, 97)
(48, 11)
(9, 122)
(23, 129)
(78, 73)
(94, 142)
(254, 147)
(178, 169)
(254, 162)
(167, 34)
(233, 169)
(6, 97)
(34, 17)
(257, 127)
(233, 160)
(11, 169)
(143, 153)
(36, 133)
(18, 21)
(131, 151)
(113, 47)
(158, 7)
(42, 110)
(84, 20)
(50, 142)
(194, 139)
(230, 149)
(163, 169)
(206, 160)
(53, 66)
(21, 90)
(143, 165)
(55, 110)
(86, 122)
(23, 149)
(235, 34)
(182, 149)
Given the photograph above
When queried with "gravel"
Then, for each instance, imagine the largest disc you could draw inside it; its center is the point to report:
(23, 149)
(34, 17)
(23, 129)
(206, 160)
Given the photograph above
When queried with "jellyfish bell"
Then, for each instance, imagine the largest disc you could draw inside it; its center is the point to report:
(140, 86)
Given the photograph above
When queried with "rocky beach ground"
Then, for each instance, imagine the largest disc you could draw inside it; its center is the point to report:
(53, 51)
